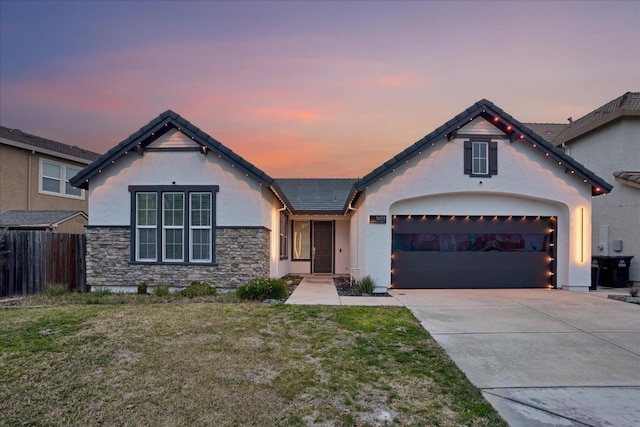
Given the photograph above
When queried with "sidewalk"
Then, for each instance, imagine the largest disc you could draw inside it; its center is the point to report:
(320, 290)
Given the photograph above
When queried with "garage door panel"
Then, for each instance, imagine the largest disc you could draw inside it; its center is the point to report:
(440, 251)
(438, 270)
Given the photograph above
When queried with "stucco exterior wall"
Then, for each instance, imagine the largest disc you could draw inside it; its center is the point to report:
(528, 183)
(616, 216)
(242, 206)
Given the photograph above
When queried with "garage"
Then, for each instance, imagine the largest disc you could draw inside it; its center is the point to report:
(466, 252)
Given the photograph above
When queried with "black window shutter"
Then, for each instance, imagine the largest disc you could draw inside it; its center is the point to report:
(493, 158)
(467, 158)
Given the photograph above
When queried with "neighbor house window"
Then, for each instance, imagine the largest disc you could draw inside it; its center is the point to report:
(54, 179)
(301, 240)
(481, 158)
(173, 224)
(284, 235)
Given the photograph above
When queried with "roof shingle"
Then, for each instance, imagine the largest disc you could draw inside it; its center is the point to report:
(316, 195)
(47, 144)
(21, 218)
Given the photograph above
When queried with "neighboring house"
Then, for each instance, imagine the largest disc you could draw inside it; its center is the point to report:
(35, 173)
(480, 202)
(58, 221)
(607, 141)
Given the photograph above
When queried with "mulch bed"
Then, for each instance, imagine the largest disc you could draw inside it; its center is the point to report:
(345, 290)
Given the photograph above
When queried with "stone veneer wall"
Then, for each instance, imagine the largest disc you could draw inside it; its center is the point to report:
(241, 255)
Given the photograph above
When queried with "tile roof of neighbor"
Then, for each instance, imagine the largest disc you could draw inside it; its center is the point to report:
(549, 131)
(623, 106)
(47, 144)
(152, 131)
(631, 178)
(20, 218)
(515, 130)
(316, 195)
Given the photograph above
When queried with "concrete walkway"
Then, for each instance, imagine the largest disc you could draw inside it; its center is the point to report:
(540, 357)
(320, 290)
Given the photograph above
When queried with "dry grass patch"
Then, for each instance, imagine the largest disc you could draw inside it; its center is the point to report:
(228, 365)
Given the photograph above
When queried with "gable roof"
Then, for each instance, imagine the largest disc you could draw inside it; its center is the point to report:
(514, 130)
(17, 138)
(36, 219)
(627, 105)
(157, 127)
(329, 196)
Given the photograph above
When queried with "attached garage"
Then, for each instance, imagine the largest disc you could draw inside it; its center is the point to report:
(453, 251)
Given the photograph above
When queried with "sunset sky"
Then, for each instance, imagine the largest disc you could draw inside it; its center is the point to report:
(306, 89)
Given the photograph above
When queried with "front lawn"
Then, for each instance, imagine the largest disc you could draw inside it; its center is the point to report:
(228, 364)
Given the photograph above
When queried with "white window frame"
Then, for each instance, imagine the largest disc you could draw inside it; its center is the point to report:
(146, 227)
(166, 227)
(64, 178)
(483, 159)
(200, 227)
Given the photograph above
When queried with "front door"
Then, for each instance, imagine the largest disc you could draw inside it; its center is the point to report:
(322, 252)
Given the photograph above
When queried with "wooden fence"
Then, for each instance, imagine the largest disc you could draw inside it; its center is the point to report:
(29, 260)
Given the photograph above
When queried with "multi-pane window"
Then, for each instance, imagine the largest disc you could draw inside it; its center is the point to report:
(284, 236)
(480, 158)
(173, 224)
(54, 179)
(146, 226)
(200, 227)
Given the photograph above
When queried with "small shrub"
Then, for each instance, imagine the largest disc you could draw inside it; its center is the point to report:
(161, 290)
(142, 289)
(55, 289)
(634, 291)
(365, 286)
(102, 292)
(262, 289)
(198, 289)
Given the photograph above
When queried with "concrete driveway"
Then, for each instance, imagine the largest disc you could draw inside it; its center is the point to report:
(541, 357)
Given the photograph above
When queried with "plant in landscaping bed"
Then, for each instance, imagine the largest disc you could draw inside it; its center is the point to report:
(634, 291)
(198, 289)
(161, 290)
(55, 289)
(142, 289)
(261, 289)
(365, 286)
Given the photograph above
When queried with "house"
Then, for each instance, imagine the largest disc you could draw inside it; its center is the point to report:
(480, 202)
(35, 174)
(607, 141)
(60, 221)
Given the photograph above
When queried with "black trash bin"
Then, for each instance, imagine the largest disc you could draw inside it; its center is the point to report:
(609, 271)
(600, 272)
(620, 271)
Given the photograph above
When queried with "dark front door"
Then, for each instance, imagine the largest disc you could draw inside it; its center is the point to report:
(322, 247)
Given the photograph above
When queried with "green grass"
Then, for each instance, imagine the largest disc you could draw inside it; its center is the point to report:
(249, 364)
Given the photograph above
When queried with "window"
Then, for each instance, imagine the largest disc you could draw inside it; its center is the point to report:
(481, 158)
(284, 236)
(185, 215)
(54, 179)
(301, 240)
